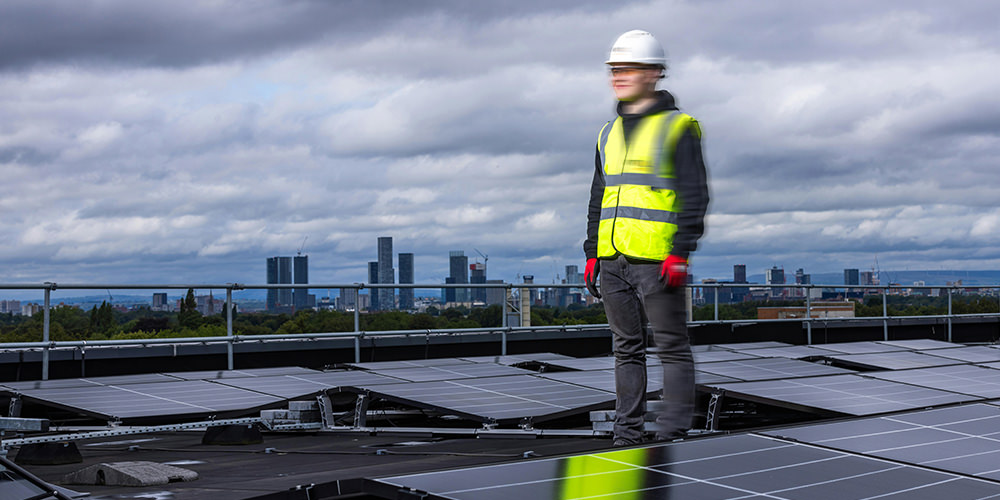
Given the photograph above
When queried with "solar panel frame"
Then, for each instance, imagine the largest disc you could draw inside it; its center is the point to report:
(451, 372)
(968, 354)
(501, 400)
(862, 347)
(840, 395)
(974, 380)
(408, 363)
(299, 386)
(722, 355)
(181, 399)
(142, 378)
(896, 360)
(750, 346)
(514, 359)
(769, 369)
(920, 344)
(794, 352)
(247, 372)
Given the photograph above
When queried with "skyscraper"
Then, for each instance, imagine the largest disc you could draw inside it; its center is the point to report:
(458, 264)
(301, 295)
(279, 272)
(373, 292)
(386, 274)
(851, 277)
(477, 274)
(776, 276)
(406, 276)
(740, 273)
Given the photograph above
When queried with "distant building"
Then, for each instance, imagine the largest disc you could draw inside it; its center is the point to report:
(458, 265)
(868, 278)
(300, 296)
(208, 305)
(776, 276)
(495, 295)
(740, 276)
(406, 276)
(348, 299)
(851, 277)
(740, 273)
(160, 302)
(30, 309)
(477, 275)
(844, 309)
(10, 307)
(373, 279)
(386, 274)
(279, 272)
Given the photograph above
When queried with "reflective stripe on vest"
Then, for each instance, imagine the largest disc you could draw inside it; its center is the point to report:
(640, 205)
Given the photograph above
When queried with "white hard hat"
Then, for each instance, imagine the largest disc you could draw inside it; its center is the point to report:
(639, 47)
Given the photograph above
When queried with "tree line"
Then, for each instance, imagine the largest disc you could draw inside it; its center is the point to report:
(104, 322)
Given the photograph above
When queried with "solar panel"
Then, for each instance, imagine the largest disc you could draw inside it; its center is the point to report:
(601, 363)
(451, 372)
(725, 467)
(966, 379)
(746, 346)
(90, 382)
(249, 372)
(974, 354)
(497, 399)
(298, 386)
(793, 352)
(412, 363)
(769, 369)
(962, 439)
(160, 399)
(513, 359)
(861, 347)
(714, 356)
(900, 360)
(920, 344)
(843, 394)
(604, 380)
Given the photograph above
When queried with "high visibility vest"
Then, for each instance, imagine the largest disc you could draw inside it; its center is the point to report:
(640, 205)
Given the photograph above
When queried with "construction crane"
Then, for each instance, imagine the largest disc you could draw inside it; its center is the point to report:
(303, 245)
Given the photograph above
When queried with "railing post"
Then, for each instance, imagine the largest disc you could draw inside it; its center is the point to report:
(357, 308)
(949, 314)
(229, 328)
(45, 331)
(357, 347)
(885, 313)
(809, 316)
(716, 289)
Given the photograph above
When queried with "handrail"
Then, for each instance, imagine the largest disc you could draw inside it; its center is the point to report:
(231, 338)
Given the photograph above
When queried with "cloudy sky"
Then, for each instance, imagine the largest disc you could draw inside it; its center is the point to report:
(166, 142)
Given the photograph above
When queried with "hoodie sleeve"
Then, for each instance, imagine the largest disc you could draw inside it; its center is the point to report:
(594, 209)
(692, 187)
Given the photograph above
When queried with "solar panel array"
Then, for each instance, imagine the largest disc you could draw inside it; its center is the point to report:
(962, 439)
(725, 467)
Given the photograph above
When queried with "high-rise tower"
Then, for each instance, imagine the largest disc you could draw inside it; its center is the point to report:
(279, 272)
(373, 292)
(386, 274)
(458, 265)
(406, 276)
(300, 297)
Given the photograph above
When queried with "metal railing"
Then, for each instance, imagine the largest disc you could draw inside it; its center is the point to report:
(505, 330)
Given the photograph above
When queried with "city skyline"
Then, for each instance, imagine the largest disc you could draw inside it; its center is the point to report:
(836, 134)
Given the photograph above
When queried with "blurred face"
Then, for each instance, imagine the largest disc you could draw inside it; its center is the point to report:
(633, 81)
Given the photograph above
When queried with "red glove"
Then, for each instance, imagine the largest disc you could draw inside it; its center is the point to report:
(674, 272)
(590, 276)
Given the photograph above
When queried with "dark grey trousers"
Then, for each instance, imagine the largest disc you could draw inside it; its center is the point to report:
(633, 294)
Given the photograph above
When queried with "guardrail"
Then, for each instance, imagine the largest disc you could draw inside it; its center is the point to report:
(230, 339)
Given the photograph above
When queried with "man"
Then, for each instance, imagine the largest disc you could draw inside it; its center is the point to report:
(646, 213)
